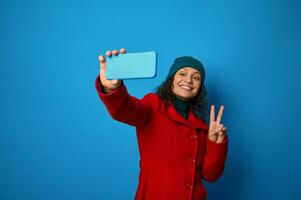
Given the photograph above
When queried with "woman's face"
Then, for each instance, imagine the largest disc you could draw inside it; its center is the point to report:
(186, 83)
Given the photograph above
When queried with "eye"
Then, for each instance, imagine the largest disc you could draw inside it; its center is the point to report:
(196, 78)
(182, 74)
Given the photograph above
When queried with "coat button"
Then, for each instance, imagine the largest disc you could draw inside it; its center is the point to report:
(189, 186)
(193, 137)
(190, 159)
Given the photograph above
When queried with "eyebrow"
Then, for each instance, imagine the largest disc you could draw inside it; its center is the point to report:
(196, 72)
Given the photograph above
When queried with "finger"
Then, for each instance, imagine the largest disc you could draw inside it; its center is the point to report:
(115, 82)
(101, 58)
(102, 68)
(220, 138)
(212, 117)
(109, 53)
(102, 62)
(224, 129)
(115, 52)
(221, 127)
(220, 114)
(102, 76)
(122, 50)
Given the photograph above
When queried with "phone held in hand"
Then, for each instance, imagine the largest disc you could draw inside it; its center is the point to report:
(131, 65)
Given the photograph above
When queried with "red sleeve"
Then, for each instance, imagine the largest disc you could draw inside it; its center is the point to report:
(214, 159)
(123, 107)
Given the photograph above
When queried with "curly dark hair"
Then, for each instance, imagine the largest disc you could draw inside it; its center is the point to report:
(198, 103)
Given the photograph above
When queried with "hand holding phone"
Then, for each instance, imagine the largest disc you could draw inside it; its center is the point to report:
(126, 66)
(108, 85)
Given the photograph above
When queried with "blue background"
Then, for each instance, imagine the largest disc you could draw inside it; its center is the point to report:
(58, 142)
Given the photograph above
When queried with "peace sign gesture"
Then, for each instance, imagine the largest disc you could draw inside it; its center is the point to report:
(217, 131)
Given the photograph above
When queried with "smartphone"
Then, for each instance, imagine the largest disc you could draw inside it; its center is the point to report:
(132, 65)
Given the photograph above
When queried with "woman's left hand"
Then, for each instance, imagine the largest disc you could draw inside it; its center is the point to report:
(217, 131)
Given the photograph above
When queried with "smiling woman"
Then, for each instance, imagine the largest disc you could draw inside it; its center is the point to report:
(186, 83)
(177, 148)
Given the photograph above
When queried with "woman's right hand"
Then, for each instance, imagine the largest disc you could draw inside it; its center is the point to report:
(109, 85)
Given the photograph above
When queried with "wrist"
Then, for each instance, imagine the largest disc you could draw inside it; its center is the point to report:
(108, 90)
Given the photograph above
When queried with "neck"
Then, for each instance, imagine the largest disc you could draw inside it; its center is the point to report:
(182, 106)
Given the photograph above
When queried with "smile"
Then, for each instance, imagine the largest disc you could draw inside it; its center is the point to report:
(185, 87)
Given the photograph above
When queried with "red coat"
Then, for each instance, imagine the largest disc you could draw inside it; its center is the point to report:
(175, 153)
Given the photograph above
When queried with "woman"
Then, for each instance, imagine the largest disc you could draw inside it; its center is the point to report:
(177, 149)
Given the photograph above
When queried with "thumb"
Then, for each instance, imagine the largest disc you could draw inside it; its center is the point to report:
(115, 82)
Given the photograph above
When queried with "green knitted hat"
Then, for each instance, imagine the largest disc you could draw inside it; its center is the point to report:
(187, 61)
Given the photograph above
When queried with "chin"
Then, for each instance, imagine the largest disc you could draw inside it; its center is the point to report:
(184, 95)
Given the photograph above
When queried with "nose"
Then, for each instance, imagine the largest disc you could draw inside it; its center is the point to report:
(188, 79)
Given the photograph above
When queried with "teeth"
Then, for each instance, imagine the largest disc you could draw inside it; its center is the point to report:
(185, 87)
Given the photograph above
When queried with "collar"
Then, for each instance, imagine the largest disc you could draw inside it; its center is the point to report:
(192, 120)
(180, 105)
